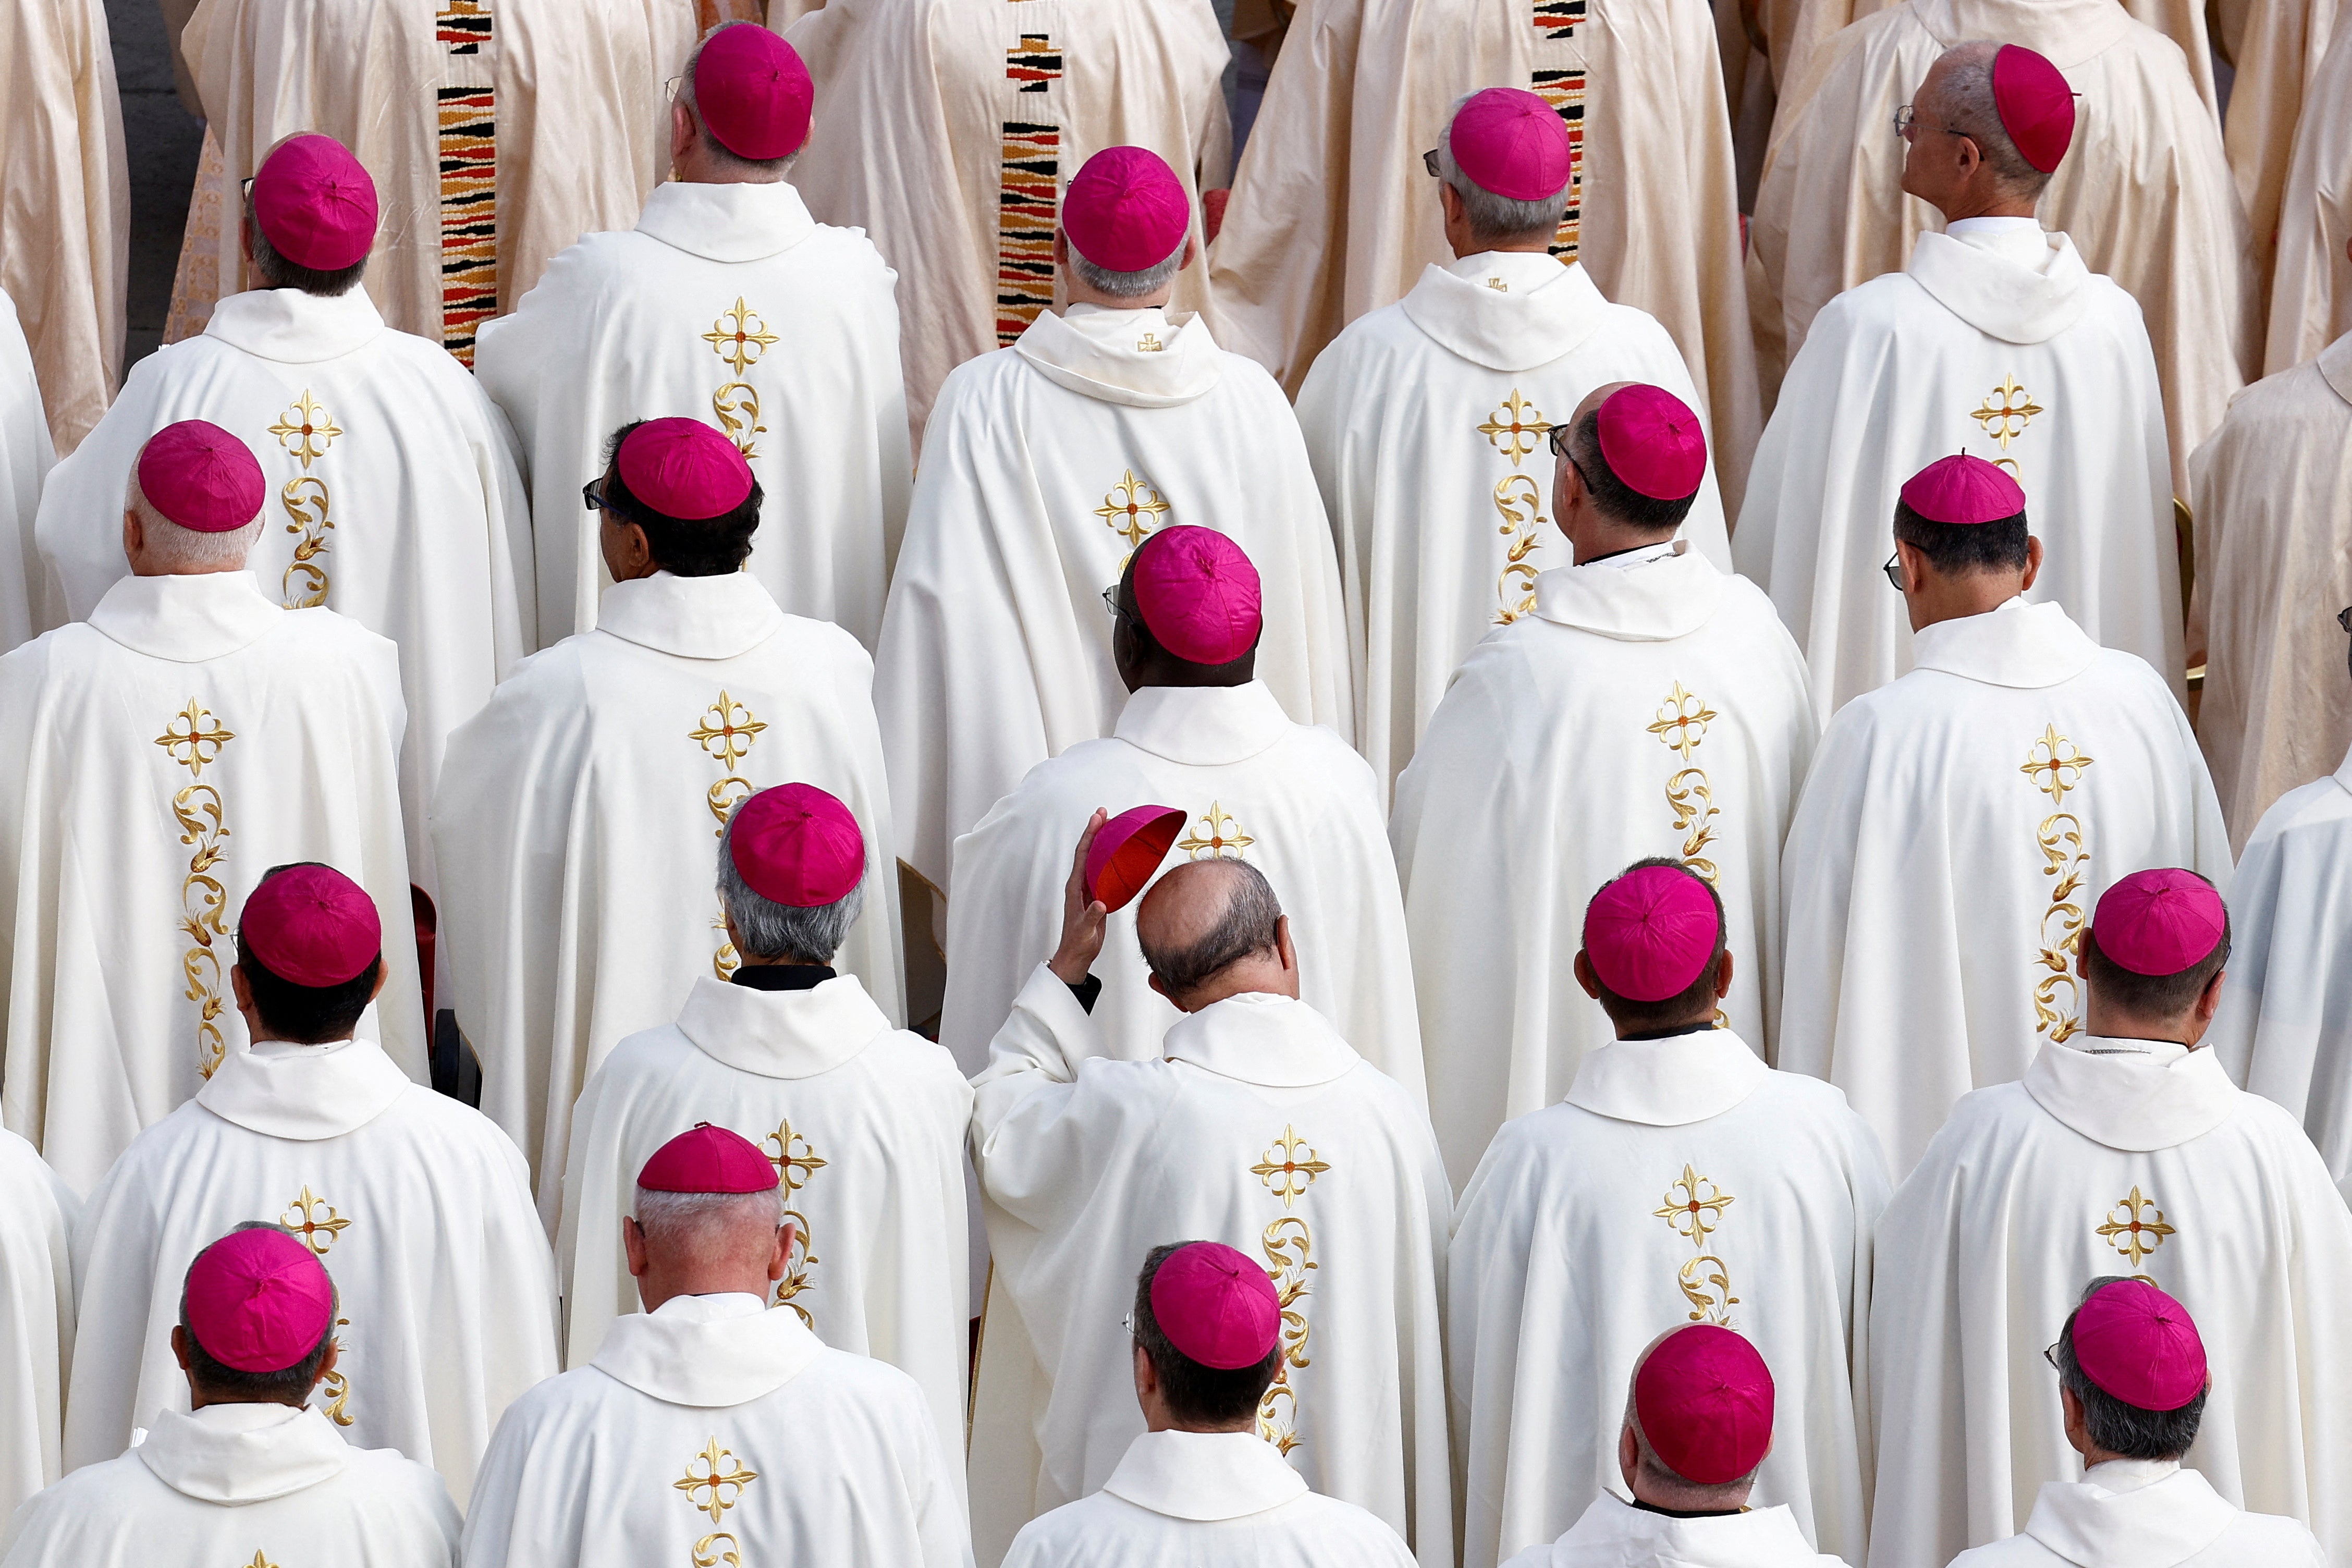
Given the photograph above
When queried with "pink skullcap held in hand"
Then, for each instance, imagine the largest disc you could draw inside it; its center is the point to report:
(2140, 1345)
(706, 1159)
(1963, 489)
(1703, 1398)
(753, 93)
(202, 478)
(1126, 211)
(1215, 1306)
(796, 845)
(1126, 851)
(315, 204)
(2160, 922)
(1511, 143)
(2035, 105)
(258, 1300)
(311, 925)
(683, 469)
(1650, 932)
(1652, 441)
(1197, 592)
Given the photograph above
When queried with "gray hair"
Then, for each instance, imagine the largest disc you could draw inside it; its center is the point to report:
(1969, 107)
(768, 930)
(691, 1221)
(1249, 924)
(2124, 1430)
(187, 550)
(729, 161)
(1128, 285)
(1494, 218)
(271, 269)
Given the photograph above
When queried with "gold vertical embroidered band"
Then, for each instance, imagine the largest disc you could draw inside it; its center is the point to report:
(1517, 428)
(796, 1160)
(1288, 1244)
(1026, 195)
(726, 732)
(193, 739)
(470, 214)
(1564, 90)
(740, 337)
(307, 434)
(1694, 1206)
(2055, 766)
(2005, 420)
(1681, 725)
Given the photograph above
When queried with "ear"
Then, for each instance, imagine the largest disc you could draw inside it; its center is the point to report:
(681, 130)
(1584, 976)
(1723, 975)
(382, 973)
(1191, 251)
(633, 1242)
(2032, 562)
(134, 534)
(2082, 961)
(327, 1362)
(1153, 981)
(180, 1346)
(780, 1259)
(1449, 201)
(2209, 1001)
(1061, 247)
(1284, 947)
(241, 989)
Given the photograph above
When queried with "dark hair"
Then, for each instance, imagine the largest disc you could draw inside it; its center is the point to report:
(684, 547)
(1954, 547)
(2152, 995)
(1248, 925)
(1197, 1395)
(2124, 1430)
(1695, 1001)
(1618, 501)
(1150, 651)
(272, 270)
(306, 1014)
(290, 1386)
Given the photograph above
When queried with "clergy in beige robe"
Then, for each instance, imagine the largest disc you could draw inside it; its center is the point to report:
(26, 456)
(712, 1425)
(1426, 421)
(726, 302)
(1681, 1178)
(418, 1205)
(2146, 192)
(1257, 1125)
(37, 1317)
(2273, 502)
(864, 1123)
(2276, 58)
(1046, 464)
(2311, 288)
(65, 233)
(1331, 219)
(946, 129)
(1650, 704)
(1994, 339)
(1935, 878)
(154, 761)
(2124, 1150)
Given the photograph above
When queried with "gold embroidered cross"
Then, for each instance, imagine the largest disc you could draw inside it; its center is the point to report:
(1135, 503)
(727, 730)
(1681, 714)
(193, 738)
(2133, 1236)
(1149, 343)
(2006, 422)
(1499, 287)
(260, 1561)
(793, 1170)
(1698, 1209)
(305, 430)
(1514, 428)
(319, 1233)
(1223, 834)
(1288, 1178)
(720, 1470)
(2055, 755)
(742, 345)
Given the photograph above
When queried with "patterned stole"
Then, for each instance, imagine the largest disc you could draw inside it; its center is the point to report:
(468, 127)
(1029, 174)
(1559, 80)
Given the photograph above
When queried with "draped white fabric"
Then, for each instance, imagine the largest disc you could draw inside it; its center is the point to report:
(1613, 1534)
(37, 1317)
(2148, 1514)
(26, 456)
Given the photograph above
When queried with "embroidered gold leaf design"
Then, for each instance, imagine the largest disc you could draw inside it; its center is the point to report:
(336, 1387)
(1694, 1206)
(740, 337)
(1285, 1174)
(2134, 1226)
(1216, 837)
(708, 1554)
(2006, 420)
(1520, 502)
(726, 732)
(1289, 1247)
(304, 583)
(796, 1160)
(193, 739)
(2056, 766)
(305, 431)
(302, 1218)
(717, 1474)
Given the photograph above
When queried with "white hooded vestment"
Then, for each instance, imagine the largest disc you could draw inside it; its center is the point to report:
(2146, 1514)
(37, 1317)
(1613, 1534)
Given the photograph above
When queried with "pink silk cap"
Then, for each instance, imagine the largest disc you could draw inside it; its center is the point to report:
(1126, 211)
(1704, 1397)
(2159, 922)
(1216, 1305)
(311, 925)
(1963, 489)
(2140, 1345)
(1652, 441)
(1512, 143)
(2035, 105)
(796, 845)
(259, 1301)
(753, 93)
(1650, 932)
(1126, 851)
(202, 478)
(315, 204)
(708, 1158)
(683, 469)
(1198, 593)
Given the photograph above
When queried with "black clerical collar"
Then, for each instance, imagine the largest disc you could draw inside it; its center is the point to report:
(1611, 555)
(782, 976)
(1686, 1512)
(1703, 1025)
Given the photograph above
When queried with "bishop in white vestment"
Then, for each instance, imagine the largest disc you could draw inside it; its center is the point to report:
(583, 803)
(1426, 421)
(154, 761)
(1045, 465)
(1201, 734)
(420, 1205)
(1257, 1124)
(37, 1317)
(1681, 1180)
(2125, 1149)
(1650, 704)
(26, 456)
(2311, 288)
(1994, 339)
(711, 1426)
(864, 1123)
(1954, 822)
(729, 303)
(393, 494)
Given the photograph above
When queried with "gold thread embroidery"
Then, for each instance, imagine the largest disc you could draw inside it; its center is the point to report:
(1131, 508)
(1515, 429)
(1705, 1280)
(720, 1470)
(726, 731)
(2005, 421)
(1282, 1176)
(260, 1561)
(2133, 1236)
(1682, 712)
(193, 739)
(337, 1387)
(1681, 727)
(304, 583)
(305, 431)
(302, 1218)
(708, 1555)
(736, 405)
(794, 1170)
(740, 337)
(2055, 766)
(1216, 837)
(1289, 1247)
(1149, 343)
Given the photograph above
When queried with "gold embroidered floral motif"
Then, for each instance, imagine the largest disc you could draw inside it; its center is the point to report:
(260, 1561)
(302, 1218)
(1516, 428)
(2134, 1233)
(1680, 715)
(1149, 343)
(708, 1554)
(2005, 421)
(1289, 1247)
(793, 1167)
(305, 582)
(1520, 502)
(305, 431)
(721, 1474)
(1692, 801)
(1707, 1285)
(726, 732)
(743, 342)
(736, 405)
(336, 1387)
(1216, 837)
(1132, 509)
(194, 739)
(1287, 1177)
(2055, 766)
(1694, 1206)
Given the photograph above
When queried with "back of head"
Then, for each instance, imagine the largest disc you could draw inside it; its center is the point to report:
(1654, 936)
(2132, 1355)
(259, 1314)
(709, 1205)
(1643, 454)
(197, 493)
(1207, 1318)
(311, 943)
(689, 489)
(2014, 105)
(1508, 155)
(1126, 216)
(2156, 941)
(791, 864)
(1700, 1407)
(751, 98)
(1965, 515)
(311, 217)
(1202, 918)
(1191, 611)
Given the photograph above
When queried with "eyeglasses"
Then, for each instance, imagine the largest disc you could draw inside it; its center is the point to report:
(1557, 439)
(1128, 1323)
(2050, 1355)
(591, 496)
(1111, 600)
(2344, 617)
(1893, 570)
(245, 188)
(669, 87)
(1429, 162)
(1906, 117)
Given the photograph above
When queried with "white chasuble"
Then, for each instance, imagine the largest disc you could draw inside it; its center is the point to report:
(581, 820)
(726, 304)
(2145, 191)
(154, 761)
(1953, 836)
(1427, 422)
(1332, 215)
(1205, 1500)
(1260, 1128)
(1650, 705)
(25, 456)
(2311, 284)
(1046, 464)
(2273, 502)
(865, 1124)
(1682, 1181)
(37, 1317)
(1996, 341)
(393, 498)
(497, 132)
(2150, 1512)
(236, 1484)
(946, 129)
(2110, 1157)
(418, 1207)
(1291, 799)
(1614, 1533)
(710, 1431)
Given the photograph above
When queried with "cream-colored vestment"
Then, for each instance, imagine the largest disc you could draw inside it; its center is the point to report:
(2276, 53)
(1613, 1534)
(2153, 1512)
(37, 1212)
(26, 456)
(2311, 285)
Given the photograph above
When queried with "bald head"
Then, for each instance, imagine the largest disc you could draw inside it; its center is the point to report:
(706, 1244)
(1961, 158)
(1212, 929)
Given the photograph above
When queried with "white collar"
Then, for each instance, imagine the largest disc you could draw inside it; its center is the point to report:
(692, 617)
(2115, 1518)
(2335, 366)
(1108, 355)
(1273, 1042)
(2130, 1101)
(2158, 1053)
(2020, 285)
(1671, 1082)
(709, 1351)
(187, 620)
(1540, 311)
(782, 1033)
(294, 328)
(1654, 595)
(237, 1454)
(2020, 645)
(304, 1093)
(1203, 726)
(1724, 1541)
(727, 223)
(1204, 1475)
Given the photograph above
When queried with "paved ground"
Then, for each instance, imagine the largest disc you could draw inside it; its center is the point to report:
(165, 140)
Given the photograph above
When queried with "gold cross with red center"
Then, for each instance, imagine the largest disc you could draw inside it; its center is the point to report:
(2055, 755)
(193, 738)
(1132, 508)
(1683, 713)
(1513, 428)
(1698, 1209)
(2134, 1237)
(2006, 422)
(318, 1234)
(714, 1479)
(1288, 1177)
(793, 1170)
(727, 730)
(305, 431)
(742, 344)
(1223, 834)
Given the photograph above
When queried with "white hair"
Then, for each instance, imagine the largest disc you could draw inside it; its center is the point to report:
(1128, 285)
(178, 549)
(693, 1222)
(727, 158)
(1494, 218)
